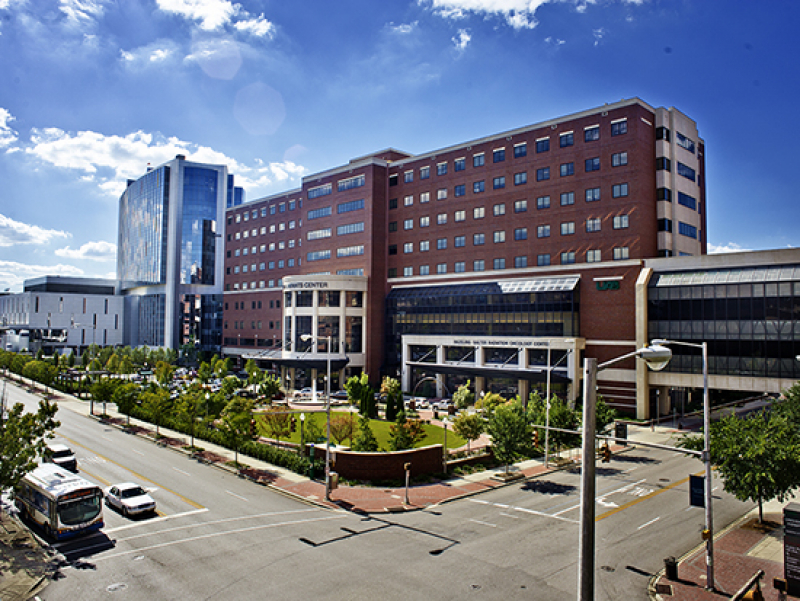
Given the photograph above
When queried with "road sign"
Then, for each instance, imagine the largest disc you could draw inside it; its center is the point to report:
(791, 548)
(697, 486)
(621, 431)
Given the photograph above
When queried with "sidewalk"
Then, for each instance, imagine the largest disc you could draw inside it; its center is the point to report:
(739, 552)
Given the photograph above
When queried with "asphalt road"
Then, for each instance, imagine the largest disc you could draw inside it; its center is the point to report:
(219, 537)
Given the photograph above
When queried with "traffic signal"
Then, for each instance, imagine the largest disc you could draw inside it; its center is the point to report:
(252, 428)
(294, 424)
(606, 454)
(536, 438)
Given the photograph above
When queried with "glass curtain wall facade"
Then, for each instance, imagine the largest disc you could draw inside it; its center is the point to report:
(199, 225)
(750, 318)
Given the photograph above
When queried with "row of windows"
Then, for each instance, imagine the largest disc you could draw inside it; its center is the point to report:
(346, 251)
(566, 139)
(253, 267)
(254, 285)
(263, 247)
(620, 253)
(273, 209)
(342, 230)
(279, 227)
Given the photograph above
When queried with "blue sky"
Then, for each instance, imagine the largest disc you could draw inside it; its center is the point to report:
(91, 91)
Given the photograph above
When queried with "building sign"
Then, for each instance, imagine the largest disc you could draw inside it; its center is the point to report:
(306, 285)
(495, 343)
(608, 285)
(791, 548)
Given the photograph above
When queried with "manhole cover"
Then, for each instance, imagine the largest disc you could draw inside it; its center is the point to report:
(607, 568)
(119, 586)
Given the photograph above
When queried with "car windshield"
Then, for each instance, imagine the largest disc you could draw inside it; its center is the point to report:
(62, 453)
(132, 492)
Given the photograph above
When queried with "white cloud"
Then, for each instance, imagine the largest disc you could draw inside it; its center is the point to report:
(96, 251)
(402, 28)
(598, 35)
(109, 161)
(13, 274)
(7, 135)
(211, 14)
(218, 57)
(152, 54)
(554, 42)
(15, 232)
(462, 40)
(82, 12)
(730, 247)
(258, 27)
(519, 14)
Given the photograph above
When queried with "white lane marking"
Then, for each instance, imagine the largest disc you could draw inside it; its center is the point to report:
(602, 499)
(480, 501)
(630, 469)
(233, 494)
(181, 471)
(215, 535)
(504, 506)
(138, 452)
(508, 515)
(524, 510)
(689, 508)
(154, 520)
(108, 439)
(483, 523)
(653, 521)
(566, 510)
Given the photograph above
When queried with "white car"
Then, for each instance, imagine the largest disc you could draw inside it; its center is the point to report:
(130, 499)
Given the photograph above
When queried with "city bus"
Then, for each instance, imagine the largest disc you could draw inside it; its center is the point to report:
(62, 503)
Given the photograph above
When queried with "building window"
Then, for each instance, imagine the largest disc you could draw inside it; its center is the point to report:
(441, 268)
(567, 198)
(478, 187)
(520, 262)
(460, 216)
(568, 258)
(662, 133)
(317, 213)
(318, 255)
(408, 200)
(392, 272)
(593, 224)
(478, 239)
(478, 160)
(520, 206)
(460, 267)
(392, 249)
(619, 127)
(424, 269)
(621, 253)
(592, 194)
(543, 174)
(520, 178)
(344, 230)
(499, 182)
(441, 218)
(441, 169)
(408, 272)
(408, 224)
(392, 226)
(499, 209)
(664, 194)
(353, 205)
(520, 150)
(663, 164)
(393, 180)
(424, 172)
(424, 246)
(478, 265)
(424, 221)
(543, 202)
(590, 134)
(478, 212)
(542, 145)
(441, 193)
(593, 164)
(499, 237)
(441, 244)
(543, 231)
(392, 204)
(665, 225)
(460, 164)
(344, 184)
(687, 201)
(593, 256)
(460, 241)
(498, 155)
(618, 159)
(408, 248)
(350, 251)
(620, 222)
(684, 229)
(424, 197)
(408, 177)
(686, 171)
(315, 192)
(521, 233)
(542, 260)
(567, 169)
(566, 139)
(460, 190)
(684, 142)
(567, 228)
(619, 190)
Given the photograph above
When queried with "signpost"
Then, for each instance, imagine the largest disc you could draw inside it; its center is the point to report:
(791, 548)
(697, 491)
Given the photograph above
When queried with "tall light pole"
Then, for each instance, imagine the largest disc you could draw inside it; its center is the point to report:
(657, 358)
(709, 533)
(306, 338)
(547, 410)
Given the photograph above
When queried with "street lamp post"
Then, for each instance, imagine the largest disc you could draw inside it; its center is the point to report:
(444, 454)
(547, 406)
(709, 534)
(657, 358)
(306, 338)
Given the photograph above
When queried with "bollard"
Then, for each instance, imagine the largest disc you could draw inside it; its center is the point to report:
(671, 568)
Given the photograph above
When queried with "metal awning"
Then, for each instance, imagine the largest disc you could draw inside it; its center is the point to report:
(493, 371)
(337, 363)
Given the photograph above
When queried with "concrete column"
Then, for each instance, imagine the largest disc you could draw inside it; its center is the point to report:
(440, 377)
(405, 377)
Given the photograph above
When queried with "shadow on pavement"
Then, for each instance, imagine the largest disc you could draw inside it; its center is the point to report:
(547, 487)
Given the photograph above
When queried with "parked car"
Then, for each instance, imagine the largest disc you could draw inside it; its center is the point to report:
(340, 395)
(62, 456)
(129, 498)
(303, 393)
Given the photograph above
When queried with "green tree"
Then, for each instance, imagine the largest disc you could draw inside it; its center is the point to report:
(86, 359)
(360, 392)
(126, 365)
(757, 457)
(269, 388)
(510, 433)
(112, 364)
(23, 437)
(102, 392)
(561, 416)
(164, 372)
(400, 436)
(469, 426)
(125, 397)
(391, 390)
(71, 359)
(189, 406)
(254, 373)
(463, 397)
(278, 423)
(789, 406)
(343, 427)
(489, 402)
(365, 441)
(204, 373)
(235, 423)
(158, 405)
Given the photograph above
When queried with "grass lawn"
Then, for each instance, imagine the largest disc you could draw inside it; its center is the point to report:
(380, 428)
